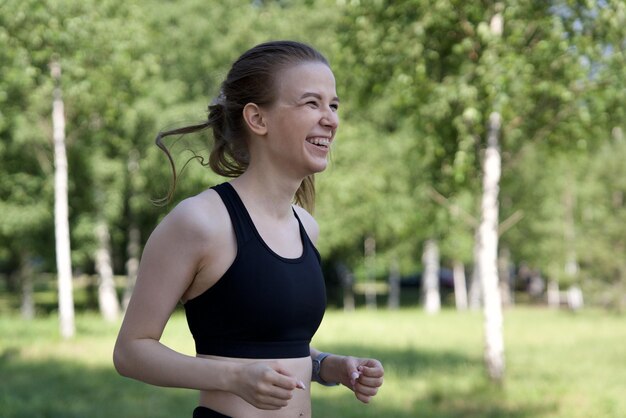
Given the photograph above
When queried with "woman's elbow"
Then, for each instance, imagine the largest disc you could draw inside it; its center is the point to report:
(120, 359)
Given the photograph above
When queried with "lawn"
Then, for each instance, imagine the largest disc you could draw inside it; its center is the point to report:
(559, 364)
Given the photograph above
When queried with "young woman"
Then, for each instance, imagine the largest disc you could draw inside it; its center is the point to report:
(241, 256)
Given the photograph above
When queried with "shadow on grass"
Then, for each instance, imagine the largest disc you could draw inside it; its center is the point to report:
(65, 389)
(445, 391)
(468, 405)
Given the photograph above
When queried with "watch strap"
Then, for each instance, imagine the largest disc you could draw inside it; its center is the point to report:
(317, 367)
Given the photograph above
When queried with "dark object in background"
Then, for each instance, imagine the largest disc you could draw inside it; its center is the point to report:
(446, 279)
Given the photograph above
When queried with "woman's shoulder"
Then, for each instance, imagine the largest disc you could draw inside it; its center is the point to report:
(308, 221)
(198, 215)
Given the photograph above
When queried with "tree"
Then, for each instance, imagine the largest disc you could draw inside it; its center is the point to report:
(430, 281)
(431, 64)
(488, 229)
(37, 35)
(26, 195)
(62, 229)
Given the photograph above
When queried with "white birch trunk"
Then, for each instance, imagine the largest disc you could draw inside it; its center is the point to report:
(347, 284)
(132, 264)
(27, 306)
(460, 289)
(394, 286)
(61, 221)
(488, 229)
(475, 291)
(134, 235)
(107, 296)
(554, 294)
(430, 279)
(569, 232)
(575, 298)
(370, 260)
(504, 261)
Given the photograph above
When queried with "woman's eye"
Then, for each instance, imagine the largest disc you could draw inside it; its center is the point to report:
(335, 107)
(312, 104)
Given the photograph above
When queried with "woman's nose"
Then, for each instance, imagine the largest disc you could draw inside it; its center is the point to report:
(330, 119)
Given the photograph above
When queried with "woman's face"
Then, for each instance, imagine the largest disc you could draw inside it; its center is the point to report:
(303, 120)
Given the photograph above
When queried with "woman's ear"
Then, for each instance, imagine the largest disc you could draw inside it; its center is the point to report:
(253, 115)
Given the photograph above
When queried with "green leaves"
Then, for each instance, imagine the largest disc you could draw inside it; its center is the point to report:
(417, 79)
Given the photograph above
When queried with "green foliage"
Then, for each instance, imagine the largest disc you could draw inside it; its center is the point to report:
(436, 67)
(602, 213)
(417, 78)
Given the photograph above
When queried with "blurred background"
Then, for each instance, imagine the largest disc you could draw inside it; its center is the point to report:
(474, 205)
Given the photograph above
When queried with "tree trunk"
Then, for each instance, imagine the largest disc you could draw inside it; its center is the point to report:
(554, 294)
(430, 279)
(370, 260)
(347, 284)
(475, 292)
(132, 264)
(575, 298)
(460, 290)
(504, 274)
(61, 221)
(26, 273)
(569, 234)
(494, 342)
(134, 234)
(394, 286)
(107, 296)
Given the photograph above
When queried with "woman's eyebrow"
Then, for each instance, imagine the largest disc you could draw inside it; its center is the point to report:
(317, 96)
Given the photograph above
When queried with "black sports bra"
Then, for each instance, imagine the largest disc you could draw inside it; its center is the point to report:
(264, 306)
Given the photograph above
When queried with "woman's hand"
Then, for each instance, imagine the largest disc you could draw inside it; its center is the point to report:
(366, 376)
(362, 375)
(265, 385)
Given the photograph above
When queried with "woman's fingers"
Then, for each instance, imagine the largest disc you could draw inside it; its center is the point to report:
(267, 386)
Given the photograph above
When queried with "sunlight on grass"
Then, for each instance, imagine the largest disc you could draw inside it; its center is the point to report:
(559, 365)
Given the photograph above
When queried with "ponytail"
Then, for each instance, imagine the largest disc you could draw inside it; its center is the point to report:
(227, 158)
(159, 143)
(229, 155)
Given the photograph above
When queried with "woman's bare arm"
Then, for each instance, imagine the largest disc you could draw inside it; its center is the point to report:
(169, 263)
(182, 244)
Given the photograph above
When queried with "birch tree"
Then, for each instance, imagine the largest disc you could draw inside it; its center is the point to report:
(460, 288)
(488, 229)
(61, 222)
(27, 305)
(107, 296)
(445, 83)
(26, 162)
(488, 254)
(430, 278)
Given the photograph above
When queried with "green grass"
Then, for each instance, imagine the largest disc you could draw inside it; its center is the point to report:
(559, 364)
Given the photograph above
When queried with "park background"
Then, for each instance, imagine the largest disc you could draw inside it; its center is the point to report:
(429, 91)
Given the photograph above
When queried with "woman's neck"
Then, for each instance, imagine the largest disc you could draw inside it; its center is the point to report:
(270, 194)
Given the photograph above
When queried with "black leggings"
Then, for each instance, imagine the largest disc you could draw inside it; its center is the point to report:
(204, 412)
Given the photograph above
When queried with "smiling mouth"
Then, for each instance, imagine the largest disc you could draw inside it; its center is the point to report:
(321, 142)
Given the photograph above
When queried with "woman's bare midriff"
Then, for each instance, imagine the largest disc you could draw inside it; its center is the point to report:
(232, 405)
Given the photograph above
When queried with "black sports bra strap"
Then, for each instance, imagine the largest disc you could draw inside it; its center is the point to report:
(238, 214)
(303, 232)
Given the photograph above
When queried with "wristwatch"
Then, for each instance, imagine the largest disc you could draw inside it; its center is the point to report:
(317, 366)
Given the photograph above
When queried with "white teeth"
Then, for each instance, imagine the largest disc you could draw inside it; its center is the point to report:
(319, 141)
